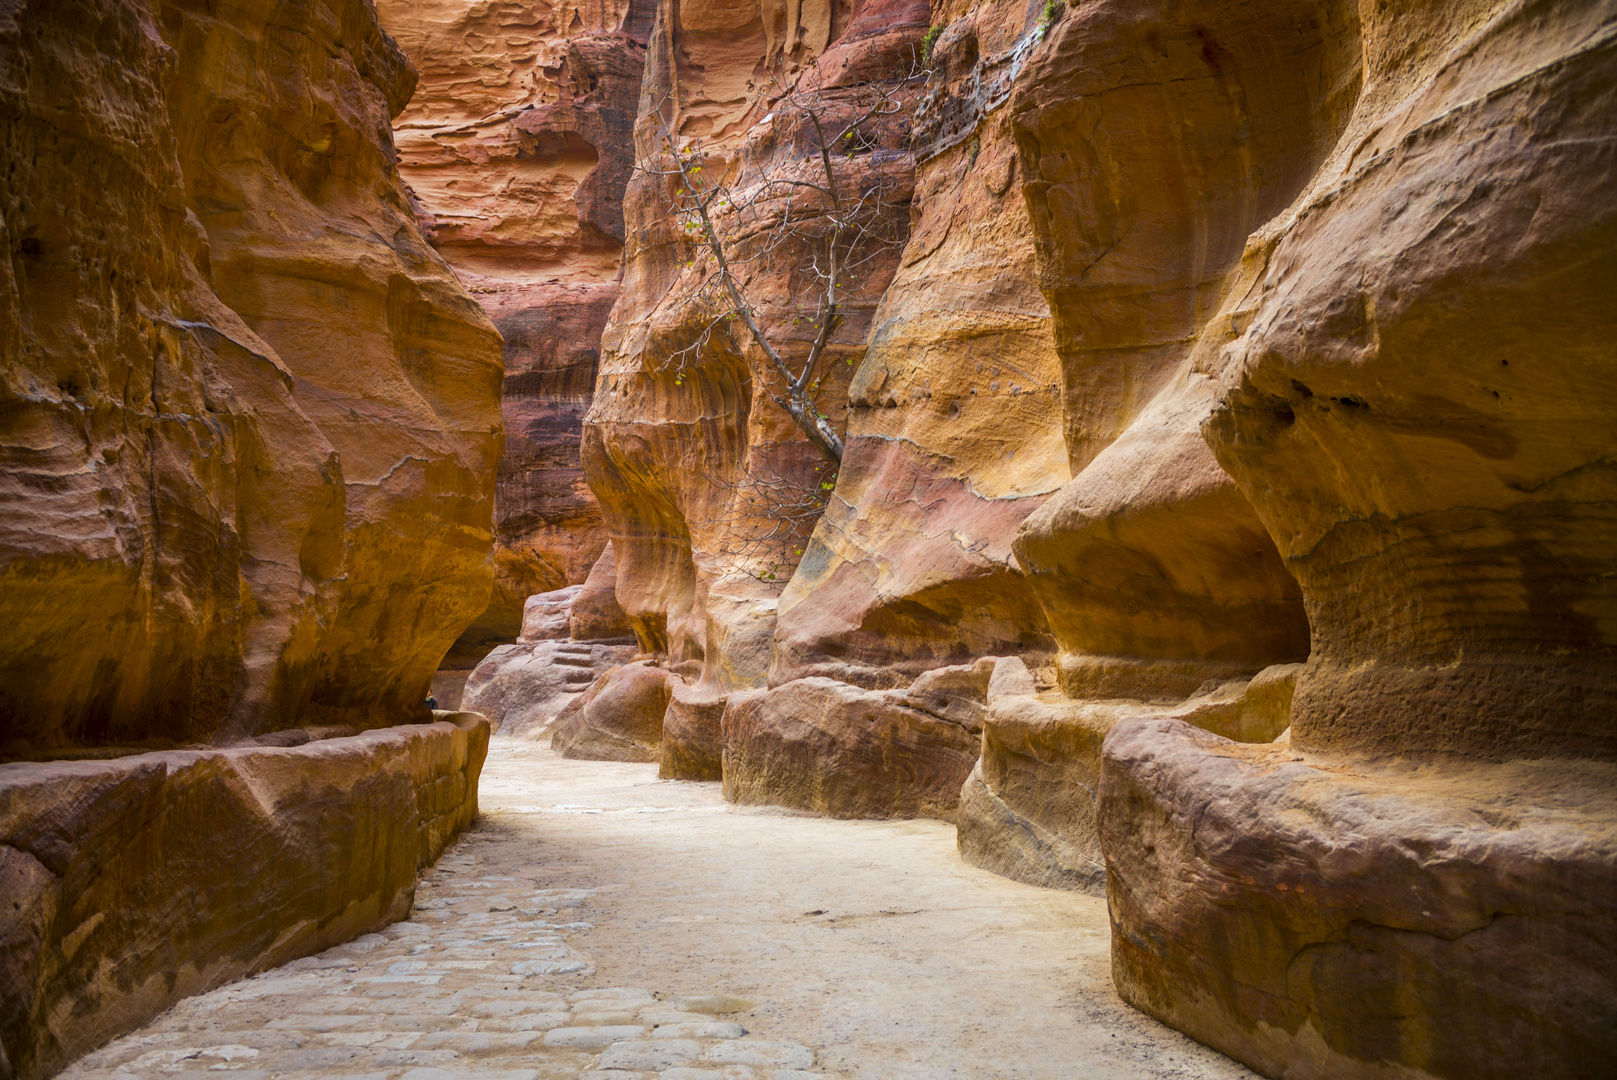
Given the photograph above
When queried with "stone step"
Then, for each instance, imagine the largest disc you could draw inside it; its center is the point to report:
(573, 661)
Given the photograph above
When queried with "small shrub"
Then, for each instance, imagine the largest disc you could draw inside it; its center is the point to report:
(1053, 11)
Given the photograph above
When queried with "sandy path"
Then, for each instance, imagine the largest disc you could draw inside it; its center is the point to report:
(600, 923)
(918, 966)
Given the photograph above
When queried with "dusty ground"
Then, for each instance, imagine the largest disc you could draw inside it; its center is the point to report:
(598, 922)
(918, 967)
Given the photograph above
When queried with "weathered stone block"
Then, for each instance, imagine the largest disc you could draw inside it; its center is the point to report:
(620, 718)
(822, 745)
(1331, 917)
(134, 882)
(693, 736)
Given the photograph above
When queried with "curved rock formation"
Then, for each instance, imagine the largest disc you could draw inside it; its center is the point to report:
(1421, 404)
(1410, 401)
(954, 427)
(131, 884)
(675, 450)
(1161, 585)
(620, 718)
(595, 614)
(517, 147)
(250, 420)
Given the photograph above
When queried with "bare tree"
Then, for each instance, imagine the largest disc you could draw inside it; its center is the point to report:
(769, 516)
(802, 203)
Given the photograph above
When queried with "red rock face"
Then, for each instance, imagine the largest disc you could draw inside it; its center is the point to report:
(954, 427)
(517, 147)
(672, 449)
(250, 421)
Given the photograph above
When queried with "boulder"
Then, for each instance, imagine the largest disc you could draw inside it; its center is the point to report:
(1027, 811)
(1316, 916)
(693, 735)
(545, 616)
(619, 718)
(822, 745)
(523, 688)
(595, 614)
(132, 883)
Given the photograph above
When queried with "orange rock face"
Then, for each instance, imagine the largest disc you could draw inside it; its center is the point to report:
(250, 420)
(517, 147)
(674, 450)
(1242, 370)
(1422, 227)
(954, 426)
(118, 903)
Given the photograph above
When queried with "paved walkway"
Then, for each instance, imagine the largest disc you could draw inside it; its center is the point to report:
(599, 922)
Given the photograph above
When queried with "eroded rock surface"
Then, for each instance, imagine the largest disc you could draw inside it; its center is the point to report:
(620, 718)
(119, 904)
(1028, 809)
(954, 431)
(1421, 404)
(684, 427)
(1319, 917)
(1368, 356)
(251, 420)
(823, 745)
(523, 688)
(517, 147)
(595, 614)
(693, 735)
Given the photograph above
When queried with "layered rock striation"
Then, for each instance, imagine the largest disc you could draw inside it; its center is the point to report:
(1232, 417)
(694, 461)
(517, 147)
(250, 419)
(1458, 233)
(249, 424)
(954, 431)
(130, 884)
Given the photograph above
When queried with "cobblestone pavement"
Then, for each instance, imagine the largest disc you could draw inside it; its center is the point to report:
(598, 922)
(476, 984)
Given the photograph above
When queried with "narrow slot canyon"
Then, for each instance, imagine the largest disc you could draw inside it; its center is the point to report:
(858, 539)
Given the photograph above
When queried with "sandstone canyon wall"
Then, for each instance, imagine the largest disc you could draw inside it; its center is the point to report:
(517, 147)
(1416, 397)
(249, 426)
(251, 418)
(1236, 414)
